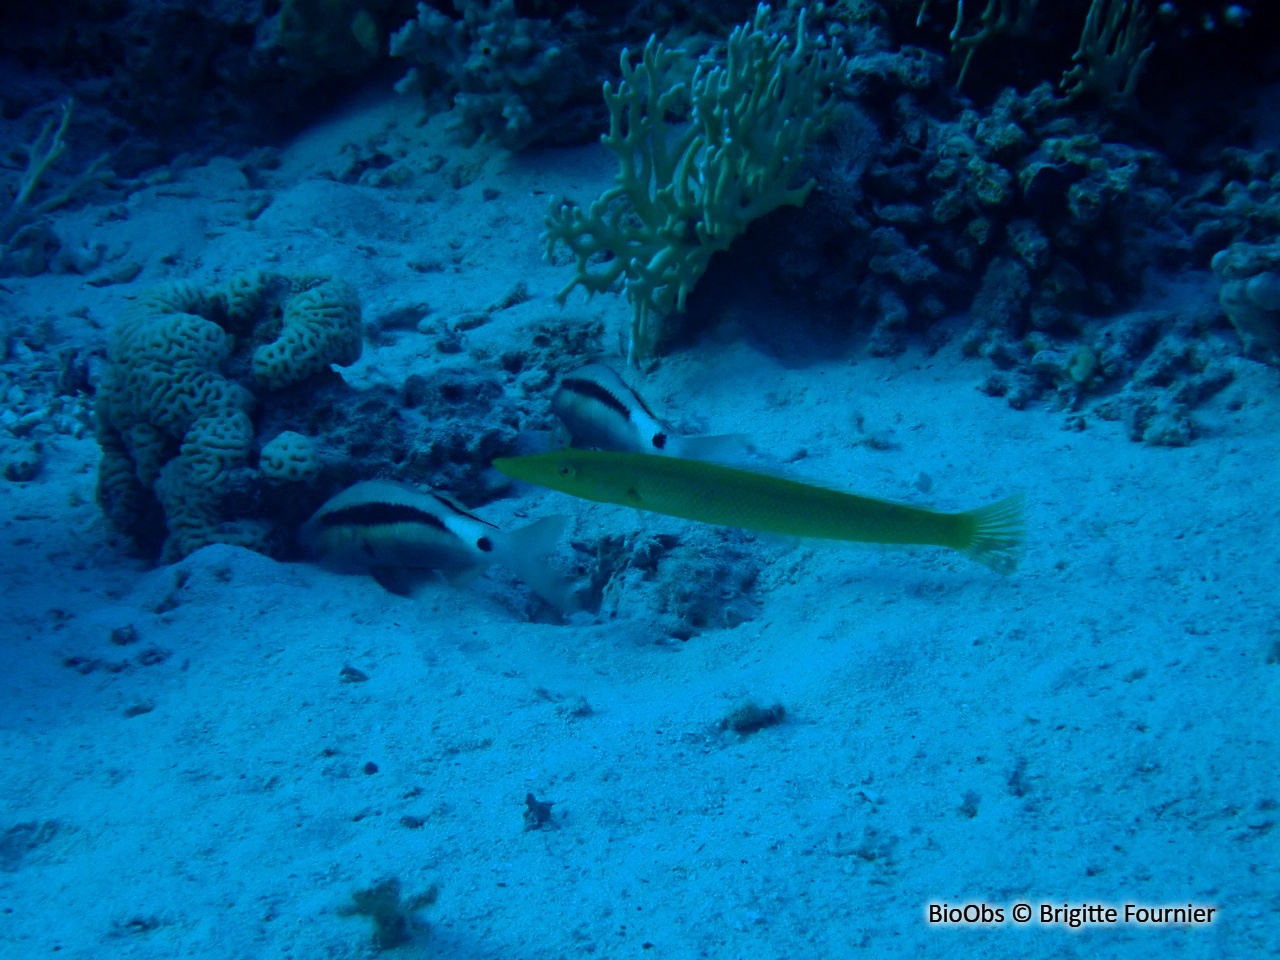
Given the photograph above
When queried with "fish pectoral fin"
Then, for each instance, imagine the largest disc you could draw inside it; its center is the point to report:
(397, 580)
(728, 448)
(464, 575)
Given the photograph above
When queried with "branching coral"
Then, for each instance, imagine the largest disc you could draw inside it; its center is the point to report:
(1114, 44)
(685, 192)
(999, 18)
(19, 230)
(1113, 51)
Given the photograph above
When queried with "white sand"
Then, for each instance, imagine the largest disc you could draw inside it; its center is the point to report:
(1099, 728)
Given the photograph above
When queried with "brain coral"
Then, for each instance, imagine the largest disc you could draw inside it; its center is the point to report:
(321, 326)
(172, 416)
(289, 458)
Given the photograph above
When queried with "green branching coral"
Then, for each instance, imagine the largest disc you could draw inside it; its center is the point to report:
(1114, 44)
(685, 192)
(22, 236)
(1009, 18)
(1114, 49)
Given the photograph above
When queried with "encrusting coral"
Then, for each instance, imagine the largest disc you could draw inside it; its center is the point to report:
(509, 78)
(1250, 294)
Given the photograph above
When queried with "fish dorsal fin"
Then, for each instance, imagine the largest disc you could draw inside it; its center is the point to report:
(453, 507)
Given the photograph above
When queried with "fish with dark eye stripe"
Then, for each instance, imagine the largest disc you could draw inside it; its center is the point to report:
(599, 410)
(400, 535)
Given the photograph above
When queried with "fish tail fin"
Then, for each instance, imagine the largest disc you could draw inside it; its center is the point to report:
(527, 553)
(998, 533)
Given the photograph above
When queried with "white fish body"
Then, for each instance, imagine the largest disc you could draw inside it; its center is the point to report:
(397, 533)
(600, 410)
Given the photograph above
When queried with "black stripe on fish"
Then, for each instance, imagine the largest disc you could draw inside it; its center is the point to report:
(379, 514)
(594, 391)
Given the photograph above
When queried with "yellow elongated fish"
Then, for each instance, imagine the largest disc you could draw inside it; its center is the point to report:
(730, 497)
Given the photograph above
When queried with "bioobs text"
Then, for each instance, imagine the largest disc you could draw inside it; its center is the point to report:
(969, 913)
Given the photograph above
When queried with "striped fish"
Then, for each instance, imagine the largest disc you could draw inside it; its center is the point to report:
(400, 535)
(599, 410)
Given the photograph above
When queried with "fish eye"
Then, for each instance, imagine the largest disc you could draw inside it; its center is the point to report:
(566, 470)
(485, 544)
(659, 441)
